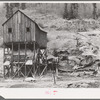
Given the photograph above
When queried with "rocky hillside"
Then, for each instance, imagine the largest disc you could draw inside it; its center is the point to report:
(61, 32)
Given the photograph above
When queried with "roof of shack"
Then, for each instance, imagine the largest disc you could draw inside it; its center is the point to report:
(27, 17)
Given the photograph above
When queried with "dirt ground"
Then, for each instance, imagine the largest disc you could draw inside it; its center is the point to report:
(64, 80)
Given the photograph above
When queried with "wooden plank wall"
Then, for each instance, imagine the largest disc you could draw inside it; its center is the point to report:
(22, 30)
(19, 22)
(32, 31)
(28, 34)
(41, 37)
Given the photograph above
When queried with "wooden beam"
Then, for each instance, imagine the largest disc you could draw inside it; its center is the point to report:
(18, 59)
(3, 54)
(8, 71)
(18, 70)
(25, 58)
(38, 62)
(43, 71)
(46, 58)
(54, 78)
(3, 62)
(57, 68)
(4, 71)
(12, 61)
(30, 71)
(34, 58)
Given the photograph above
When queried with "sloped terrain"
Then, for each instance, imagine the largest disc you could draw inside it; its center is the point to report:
(79, 37)
(62, 33)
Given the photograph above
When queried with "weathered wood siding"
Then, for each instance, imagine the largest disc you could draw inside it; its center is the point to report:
(19, 24)
(41, 37)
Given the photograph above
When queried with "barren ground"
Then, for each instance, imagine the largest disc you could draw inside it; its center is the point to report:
(64, 80)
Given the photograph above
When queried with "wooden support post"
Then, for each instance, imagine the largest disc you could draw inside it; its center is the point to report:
(12, 62)
(25, 58)
(57, 67)
(46, 58)
(3, 55)
(18, 59)
(34, 58)
(38, 62)
(43, 70)
(4, 71)
(8, 71)
(7, 51)
(3, 62)
(54, 78)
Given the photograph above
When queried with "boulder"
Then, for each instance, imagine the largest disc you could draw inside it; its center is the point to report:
(30, 79)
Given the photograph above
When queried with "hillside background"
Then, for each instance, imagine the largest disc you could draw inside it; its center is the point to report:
(62, 21)
(74, 30)
(51, 11)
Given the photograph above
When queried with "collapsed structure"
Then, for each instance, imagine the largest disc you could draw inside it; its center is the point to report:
(24, 46)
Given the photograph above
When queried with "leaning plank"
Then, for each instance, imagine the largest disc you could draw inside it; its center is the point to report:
(43, 70)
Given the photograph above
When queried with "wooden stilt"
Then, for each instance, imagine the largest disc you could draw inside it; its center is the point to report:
(3, 62)
(54, 78)
(12, 62)
(18, 59)
(25, 58)
(34, 58)
(57, 68)
(46, 59)
(39, 62)
(43, 70)
(18, 70)
(8, 71)
(3, 55)
(4, 71)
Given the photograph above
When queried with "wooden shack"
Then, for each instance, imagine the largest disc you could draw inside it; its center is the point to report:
(21, 35)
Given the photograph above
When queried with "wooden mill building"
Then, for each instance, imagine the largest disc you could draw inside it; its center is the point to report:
(24, 46)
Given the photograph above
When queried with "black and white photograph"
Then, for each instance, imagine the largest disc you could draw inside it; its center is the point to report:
(49, 45)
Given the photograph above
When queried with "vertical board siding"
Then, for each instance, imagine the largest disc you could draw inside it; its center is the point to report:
(4, 34)
(25, 28)
(15, 28)
(19, 22)
(8, 24)
(20, 36)
(27, 33)
(37, 35)
(44, 38)
(22, 28)
(12, 30)
(41, 37)
(32, 31)
(7, 32)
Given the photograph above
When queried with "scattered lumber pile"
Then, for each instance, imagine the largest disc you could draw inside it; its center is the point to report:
(87, 61)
